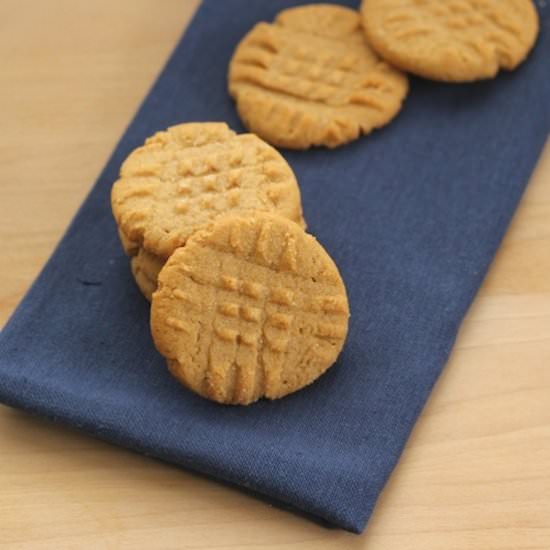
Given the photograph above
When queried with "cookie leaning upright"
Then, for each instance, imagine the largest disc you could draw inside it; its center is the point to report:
(184, 178)
(250, 307)
(310, 78)
(459, 40)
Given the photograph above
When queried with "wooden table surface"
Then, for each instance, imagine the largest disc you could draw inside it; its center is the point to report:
(476, 472)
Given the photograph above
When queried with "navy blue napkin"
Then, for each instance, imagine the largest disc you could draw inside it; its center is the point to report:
(412, 214)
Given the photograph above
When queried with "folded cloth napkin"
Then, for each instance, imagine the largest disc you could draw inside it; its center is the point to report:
(412, 215)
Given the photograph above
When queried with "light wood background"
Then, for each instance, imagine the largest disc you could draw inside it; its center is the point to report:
(476, 473)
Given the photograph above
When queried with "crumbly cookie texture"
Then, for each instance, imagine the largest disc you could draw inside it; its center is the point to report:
(185, 177)
(451, 40)
(131, 248)
(249, 308)
(145, 269)
(310, 78)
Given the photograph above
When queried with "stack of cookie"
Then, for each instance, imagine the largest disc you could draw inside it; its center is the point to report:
(248, 305)
(182, 179)
(324, 74)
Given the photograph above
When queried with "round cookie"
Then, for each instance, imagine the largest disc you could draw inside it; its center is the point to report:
(310, 78)
(451, 40)
(185, 177)
(251, 307)
(145, 269)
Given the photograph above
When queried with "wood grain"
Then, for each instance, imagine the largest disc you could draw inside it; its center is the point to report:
(476, 473)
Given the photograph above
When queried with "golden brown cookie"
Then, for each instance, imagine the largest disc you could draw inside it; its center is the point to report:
(310, 78)
(184, 178)
(451, 40)
(145, 269)
(249, 308)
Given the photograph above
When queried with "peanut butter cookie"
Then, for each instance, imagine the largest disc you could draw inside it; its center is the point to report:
(310, 78)
(184, 178)
(251, 307)
(451, 40)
